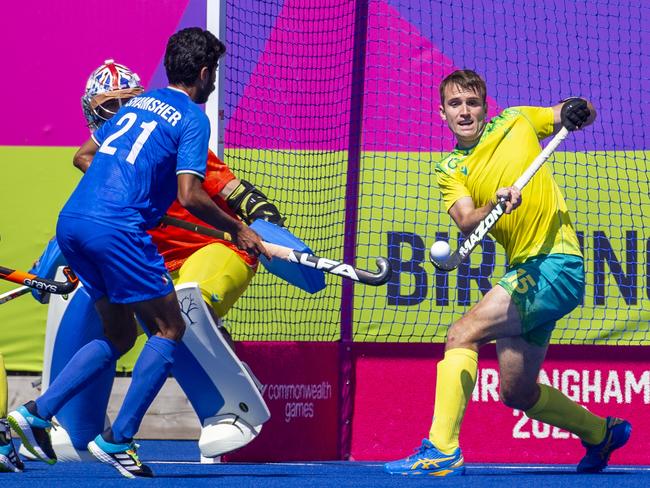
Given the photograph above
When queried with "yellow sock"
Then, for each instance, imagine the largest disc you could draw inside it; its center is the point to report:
(555, 408)
(3, 389)
(454, 386)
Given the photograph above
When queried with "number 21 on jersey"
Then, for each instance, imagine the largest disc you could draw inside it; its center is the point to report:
(125, 123)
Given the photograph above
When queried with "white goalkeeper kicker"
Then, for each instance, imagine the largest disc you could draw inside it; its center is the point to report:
(489, 221)
(232, 416)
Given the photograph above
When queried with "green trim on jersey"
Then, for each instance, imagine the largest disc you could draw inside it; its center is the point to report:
(509, 143)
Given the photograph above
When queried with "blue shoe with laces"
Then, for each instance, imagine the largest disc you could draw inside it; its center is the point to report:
(428, 460)
(34, 432)
(617, 434)
(123, 457)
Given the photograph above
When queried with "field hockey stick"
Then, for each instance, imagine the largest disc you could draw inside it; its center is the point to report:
(33, 281)
(489, 221)
(302, 258)
(15, 293)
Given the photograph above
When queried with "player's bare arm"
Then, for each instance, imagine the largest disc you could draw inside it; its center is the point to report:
(467, 216)
(193, 197)
(228, 188)
(84, 155)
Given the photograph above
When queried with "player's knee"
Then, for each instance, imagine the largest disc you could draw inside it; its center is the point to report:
(122, 339)
(174, 331)
(123, 342)
(459, 336)
(508, 398)
(515, 399)
(179, 331)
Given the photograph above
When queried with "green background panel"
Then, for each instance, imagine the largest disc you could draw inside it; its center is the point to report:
(309, 189)
(605, 191)
(36, 182)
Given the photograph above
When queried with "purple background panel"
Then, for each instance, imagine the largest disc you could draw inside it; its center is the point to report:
(50, 48)
(194, 16)
(403, 73)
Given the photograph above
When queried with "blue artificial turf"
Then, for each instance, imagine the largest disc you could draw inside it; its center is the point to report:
(176, 464)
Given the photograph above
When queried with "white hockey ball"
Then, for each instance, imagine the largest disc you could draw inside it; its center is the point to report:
(440, 251)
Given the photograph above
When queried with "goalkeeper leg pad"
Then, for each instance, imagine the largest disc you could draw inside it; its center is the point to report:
(219, 386)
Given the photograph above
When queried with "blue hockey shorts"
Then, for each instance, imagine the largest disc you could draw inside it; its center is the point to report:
(123, 266)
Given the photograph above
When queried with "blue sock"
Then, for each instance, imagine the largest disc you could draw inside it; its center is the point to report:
(149, 374)
(83, 367)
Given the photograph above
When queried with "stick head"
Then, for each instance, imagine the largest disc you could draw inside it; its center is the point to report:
(448, 264)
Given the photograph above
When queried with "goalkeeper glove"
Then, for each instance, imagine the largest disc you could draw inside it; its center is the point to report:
(251, 204)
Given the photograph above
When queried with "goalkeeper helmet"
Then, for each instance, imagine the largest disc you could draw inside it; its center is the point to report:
(107, 88)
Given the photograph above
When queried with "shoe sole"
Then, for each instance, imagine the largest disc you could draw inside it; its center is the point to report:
(24, 430)
(101, 456)
(441, 473)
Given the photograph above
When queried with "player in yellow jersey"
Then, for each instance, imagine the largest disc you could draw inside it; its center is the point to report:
(9, 459)
(545, 280)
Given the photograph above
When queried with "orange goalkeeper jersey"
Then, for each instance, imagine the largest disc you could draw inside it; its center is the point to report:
(175, 244)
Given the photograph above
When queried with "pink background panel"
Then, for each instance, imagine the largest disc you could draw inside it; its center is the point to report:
(403, 73)
(50, 48)
(394, 398)
(301, 389)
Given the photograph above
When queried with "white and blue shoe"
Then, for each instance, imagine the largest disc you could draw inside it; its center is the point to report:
(123, 457)
(428, 460)
(34, 432)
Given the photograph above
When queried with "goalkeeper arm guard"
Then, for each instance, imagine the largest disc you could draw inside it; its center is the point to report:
(251, 204)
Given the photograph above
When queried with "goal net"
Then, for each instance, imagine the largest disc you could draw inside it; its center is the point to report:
(332, 110)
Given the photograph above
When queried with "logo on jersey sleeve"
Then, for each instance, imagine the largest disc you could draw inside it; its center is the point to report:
(454, 163)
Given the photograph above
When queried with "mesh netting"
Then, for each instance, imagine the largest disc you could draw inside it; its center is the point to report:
(335, 117)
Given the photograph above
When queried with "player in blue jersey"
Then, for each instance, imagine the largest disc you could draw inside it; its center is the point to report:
(152, 151)
(220, 267)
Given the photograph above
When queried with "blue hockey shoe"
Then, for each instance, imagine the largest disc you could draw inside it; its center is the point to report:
(617, 434)
(123, 457)
(33, 431)
(428, 460)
